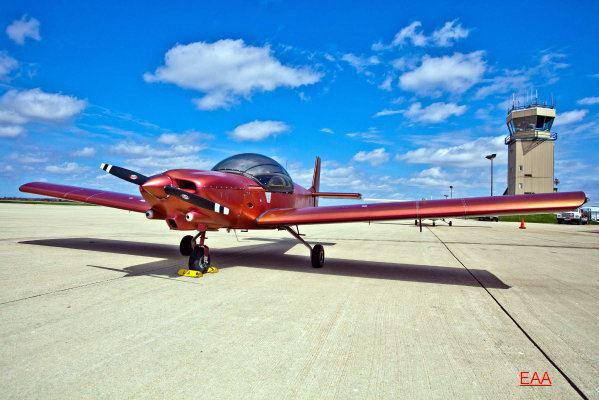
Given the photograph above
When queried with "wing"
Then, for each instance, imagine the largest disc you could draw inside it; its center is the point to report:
(474, 206)
(92, 196)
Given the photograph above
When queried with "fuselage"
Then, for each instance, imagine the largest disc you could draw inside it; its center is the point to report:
(241, 199)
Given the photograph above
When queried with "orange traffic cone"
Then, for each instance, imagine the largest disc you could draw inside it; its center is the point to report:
(522, 226)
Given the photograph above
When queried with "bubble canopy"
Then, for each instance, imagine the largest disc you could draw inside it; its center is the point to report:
(264, 170)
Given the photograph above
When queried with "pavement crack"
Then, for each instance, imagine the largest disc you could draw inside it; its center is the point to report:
(507, 313)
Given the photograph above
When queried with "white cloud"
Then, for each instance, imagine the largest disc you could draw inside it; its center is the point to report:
(386, 112)
(7, 64)
(34, 104)
(386, 84)
(372, 135)
(445, 36)
(227, 70)
(589, 101)
(360, 63)
(449, 33)
(452, 74)
(327, 130)
(569, 117)
(64, 168)
(85, 152)
(11, 130)
(374, 157)
(412, 33)
(24, 28)
(258, 130)
(434, 113)
(145, 150)
(468, 154)
(185, 137)
(512, 81)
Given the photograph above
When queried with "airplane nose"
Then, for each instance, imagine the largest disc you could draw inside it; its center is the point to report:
(155, 185)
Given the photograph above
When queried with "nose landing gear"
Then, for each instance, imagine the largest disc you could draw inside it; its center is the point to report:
(199, 253)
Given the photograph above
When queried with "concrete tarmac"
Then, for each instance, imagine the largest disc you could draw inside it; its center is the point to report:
(91, 306)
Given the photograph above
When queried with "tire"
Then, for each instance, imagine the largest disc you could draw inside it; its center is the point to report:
(416, 222)
(196, 260)
(317, 256)
(186, 245)
(450, 223)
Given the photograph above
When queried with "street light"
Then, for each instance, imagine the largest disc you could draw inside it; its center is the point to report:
(491, 157)
(446, 196)
(451, 191)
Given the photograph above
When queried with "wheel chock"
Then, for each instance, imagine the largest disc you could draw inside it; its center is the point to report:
(191, 273)
(212, 270)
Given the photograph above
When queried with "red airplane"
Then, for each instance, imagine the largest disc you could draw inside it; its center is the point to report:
(252, 191)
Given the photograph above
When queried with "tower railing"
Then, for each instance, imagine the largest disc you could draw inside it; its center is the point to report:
(511, 138)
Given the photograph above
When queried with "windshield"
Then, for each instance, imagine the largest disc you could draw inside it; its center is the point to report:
(264, 170)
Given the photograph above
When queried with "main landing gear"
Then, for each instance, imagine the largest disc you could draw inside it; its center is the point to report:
(199, 253)
(316, 251)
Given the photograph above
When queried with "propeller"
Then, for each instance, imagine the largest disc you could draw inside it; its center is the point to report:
(191, 198)
(125, 174)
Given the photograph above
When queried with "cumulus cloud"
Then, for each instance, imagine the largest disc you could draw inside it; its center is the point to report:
(17, 108)
(569, 117)
(85, 152)
(374, 157)
(7, 64)
(468, 154)
(327, 130)
(134, 149)
(434, 113)
(64, 168)
(258, 130)
(453, 74)
(35, 104)
(589, 101)
(24, 28)
(227, 70)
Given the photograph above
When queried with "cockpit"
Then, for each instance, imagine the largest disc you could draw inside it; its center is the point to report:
(264, 170)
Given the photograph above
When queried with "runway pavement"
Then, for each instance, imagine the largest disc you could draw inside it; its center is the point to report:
(91, 306)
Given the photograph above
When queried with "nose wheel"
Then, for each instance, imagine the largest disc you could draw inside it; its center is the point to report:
(199, 260)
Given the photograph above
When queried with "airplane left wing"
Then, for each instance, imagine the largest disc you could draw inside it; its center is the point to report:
(92, 196)
(474, 206)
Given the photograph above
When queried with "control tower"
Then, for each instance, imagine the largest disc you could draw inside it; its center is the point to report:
(530, 149)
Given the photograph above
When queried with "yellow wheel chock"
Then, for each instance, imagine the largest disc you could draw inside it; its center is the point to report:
(191, 273)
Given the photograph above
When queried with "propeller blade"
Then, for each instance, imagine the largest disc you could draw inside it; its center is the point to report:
(192, 198)
(125, 174)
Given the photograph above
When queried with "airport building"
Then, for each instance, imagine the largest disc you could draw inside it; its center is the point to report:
(530, 149)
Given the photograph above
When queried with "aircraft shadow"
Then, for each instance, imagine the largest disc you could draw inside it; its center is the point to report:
(270, 255)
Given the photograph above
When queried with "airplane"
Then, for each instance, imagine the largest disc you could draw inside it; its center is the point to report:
(252, 191)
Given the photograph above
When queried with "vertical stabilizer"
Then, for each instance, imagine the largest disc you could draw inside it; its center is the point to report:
(316, 180)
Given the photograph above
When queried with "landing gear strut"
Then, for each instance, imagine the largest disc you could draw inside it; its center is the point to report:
(199, 253)
(316, 251)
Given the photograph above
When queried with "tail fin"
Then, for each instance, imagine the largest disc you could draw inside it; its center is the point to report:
(316, 180)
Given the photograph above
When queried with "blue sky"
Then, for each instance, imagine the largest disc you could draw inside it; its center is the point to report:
(400, 100)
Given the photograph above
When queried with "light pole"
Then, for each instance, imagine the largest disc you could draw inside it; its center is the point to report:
(491, 157)
(451, 191)
(446, 196)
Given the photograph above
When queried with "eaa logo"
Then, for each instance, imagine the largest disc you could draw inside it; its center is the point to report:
(528, 379)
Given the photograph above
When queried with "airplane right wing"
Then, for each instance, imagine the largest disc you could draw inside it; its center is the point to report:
(474, 206)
